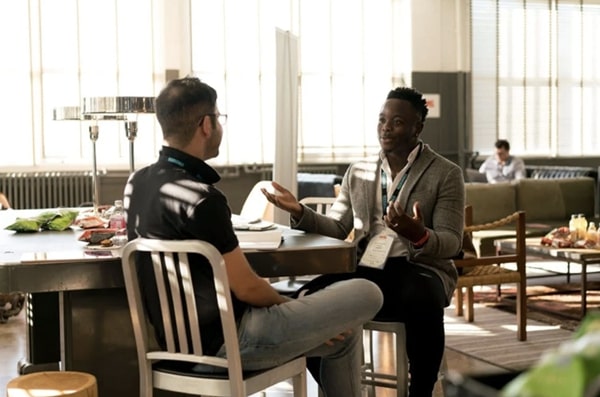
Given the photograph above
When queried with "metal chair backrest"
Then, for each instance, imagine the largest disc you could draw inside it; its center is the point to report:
(172, 276)
(322, 205)
(177, 301)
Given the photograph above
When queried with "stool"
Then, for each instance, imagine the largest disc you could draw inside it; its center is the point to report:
(399, 380)
(370, 377)
(53, 383)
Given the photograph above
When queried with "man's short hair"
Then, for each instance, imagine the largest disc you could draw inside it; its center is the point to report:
(413, 96)
(502, 144)
(180, 107)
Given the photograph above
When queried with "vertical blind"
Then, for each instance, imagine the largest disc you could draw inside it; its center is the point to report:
(536, 76)
(58, 52)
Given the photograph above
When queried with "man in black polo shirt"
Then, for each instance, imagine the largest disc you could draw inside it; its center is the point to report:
(175, 198)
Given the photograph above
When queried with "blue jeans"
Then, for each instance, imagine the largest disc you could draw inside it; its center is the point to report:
(274, 335)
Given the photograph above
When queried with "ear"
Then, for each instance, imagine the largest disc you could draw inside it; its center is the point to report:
(205, 126)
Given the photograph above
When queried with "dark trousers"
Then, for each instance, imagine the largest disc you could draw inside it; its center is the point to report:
(413, 295)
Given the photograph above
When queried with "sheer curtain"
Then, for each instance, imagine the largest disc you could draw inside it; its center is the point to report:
(58, 52)
(536, 76)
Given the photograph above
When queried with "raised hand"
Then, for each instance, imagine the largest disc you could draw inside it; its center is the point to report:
(396, 219)
(284, 199)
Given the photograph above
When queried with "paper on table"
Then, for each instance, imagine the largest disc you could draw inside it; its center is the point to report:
(266, 239)
(241, 223)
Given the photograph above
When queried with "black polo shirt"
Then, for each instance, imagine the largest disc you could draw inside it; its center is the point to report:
(174, 199)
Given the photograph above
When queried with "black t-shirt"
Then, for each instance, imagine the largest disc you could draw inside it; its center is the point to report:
(174, 199)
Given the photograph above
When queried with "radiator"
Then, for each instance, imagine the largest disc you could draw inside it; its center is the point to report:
(47, 189)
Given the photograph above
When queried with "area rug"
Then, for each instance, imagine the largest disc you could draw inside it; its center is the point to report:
(557, 305)
(492, 338)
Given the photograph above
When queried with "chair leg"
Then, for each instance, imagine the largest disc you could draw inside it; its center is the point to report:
(522, 310)
(299, 383)
(469, 313)
(401, 365)
(368, 365)
(458, 302)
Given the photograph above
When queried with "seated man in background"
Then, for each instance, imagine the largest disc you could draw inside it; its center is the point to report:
(4, 204)
(175, 199)
(502, 167)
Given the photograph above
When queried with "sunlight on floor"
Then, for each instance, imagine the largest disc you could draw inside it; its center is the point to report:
(469, 330)
(532, 328)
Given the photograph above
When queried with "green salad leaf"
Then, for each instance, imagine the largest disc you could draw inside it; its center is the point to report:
(55, 220)
(24, 225)
(62, 221)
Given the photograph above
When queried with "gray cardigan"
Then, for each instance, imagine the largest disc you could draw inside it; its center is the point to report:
(435, 182)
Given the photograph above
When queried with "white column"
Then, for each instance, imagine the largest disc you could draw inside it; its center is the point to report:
(285, 167)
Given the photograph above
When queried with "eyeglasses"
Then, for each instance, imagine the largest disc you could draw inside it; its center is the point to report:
(222, 117)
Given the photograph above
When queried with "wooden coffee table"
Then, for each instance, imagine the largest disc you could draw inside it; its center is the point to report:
(582, 256)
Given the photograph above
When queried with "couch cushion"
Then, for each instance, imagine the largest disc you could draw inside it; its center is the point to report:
(554, 200)
(490, 202)
(579, 196)
(541, 199)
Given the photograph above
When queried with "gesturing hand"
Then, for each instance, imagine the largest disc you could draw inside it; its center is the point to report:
(284, 199)
(396, 219)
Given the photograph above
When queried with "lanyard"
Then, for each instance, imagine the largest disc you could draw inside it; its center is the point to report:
(384, 199)
(181, 164)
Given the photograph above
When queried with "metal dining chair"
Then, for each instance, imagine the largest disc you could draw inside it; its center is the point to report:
(168, 369)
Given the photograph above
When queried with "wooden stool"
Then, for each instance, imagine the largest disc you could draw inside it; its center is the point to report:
(53, 383)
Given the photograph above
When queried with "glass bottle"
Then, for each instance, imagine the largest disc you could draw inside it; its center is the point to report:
(592, 234)
(573, 228)
(581, 226)
(117, 221)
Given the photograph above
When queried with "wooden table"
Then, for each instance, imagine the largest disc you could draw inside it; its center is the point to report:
(582, 256)
(78, 316)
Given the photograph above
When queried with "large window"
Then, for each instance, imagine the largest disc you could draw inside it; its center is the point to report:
(536, 76)
(346, 67)
(58, 52)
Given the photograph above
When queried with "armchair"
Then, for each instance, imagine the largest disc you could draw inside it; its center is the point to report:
(487, 270)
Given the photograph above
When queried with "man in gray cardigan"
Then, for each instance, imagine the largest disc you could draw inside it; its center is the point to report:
(406, 208)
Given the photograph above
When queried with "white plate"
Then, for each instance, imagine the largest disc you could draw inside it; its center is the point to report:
(100, 247)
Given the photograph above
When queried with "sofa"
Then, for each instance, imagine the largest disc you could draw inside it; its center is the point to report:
(559, 171)
(472, 174)
(548, 203)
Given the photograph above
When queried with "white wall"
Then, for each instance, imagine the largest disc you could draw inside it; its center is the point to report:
(440, 35)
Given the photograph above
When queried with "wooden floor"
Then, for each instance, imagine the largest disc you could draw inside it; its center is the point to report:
(13, 348)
